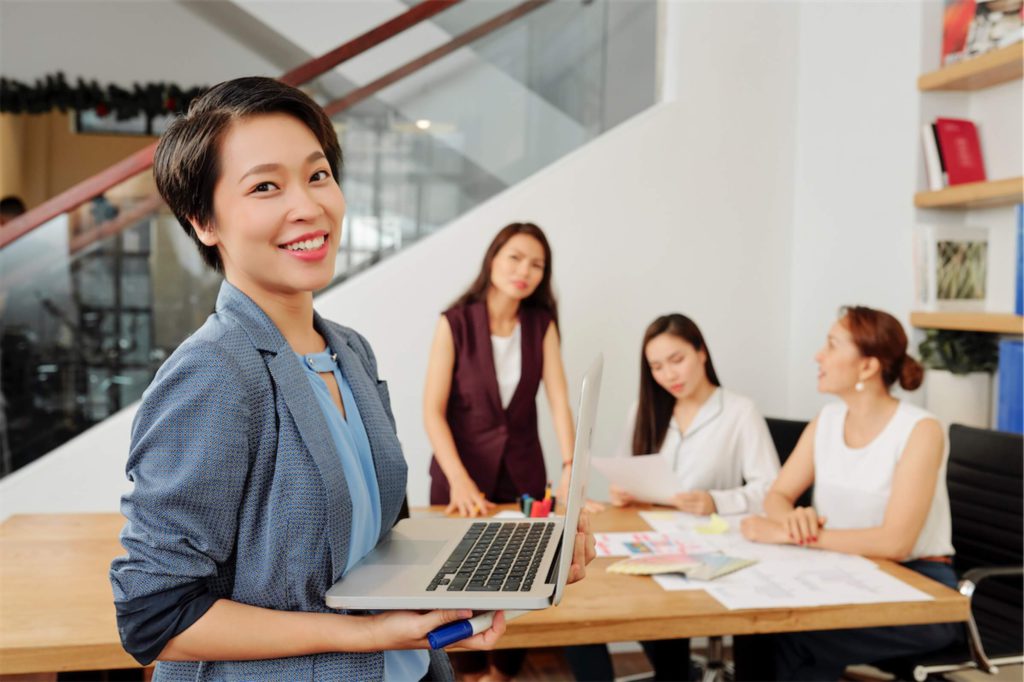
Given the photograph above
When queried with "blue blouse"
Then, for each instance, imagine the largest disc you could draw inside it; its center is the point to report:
(353, 447)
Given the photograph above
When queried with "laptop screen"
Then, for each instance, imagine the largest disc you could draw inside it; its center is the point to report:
(587, 415)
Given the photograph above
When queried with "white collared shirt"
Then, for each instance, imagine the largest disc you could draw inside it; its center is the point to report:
(727, 451)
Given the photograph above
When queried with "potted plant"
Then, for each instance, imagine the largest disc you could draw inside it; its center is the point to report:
(958, 380)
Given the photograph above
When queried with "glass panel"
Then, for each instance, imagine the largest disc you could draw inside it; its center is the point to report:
(92, 302)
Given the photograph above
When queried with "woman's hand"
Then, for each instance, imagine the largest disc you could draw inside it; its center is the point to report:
(583, 551)
(620, 498)
(697, 502)
(764, 530)
(392, 630)
(802, 524)
(465, 499)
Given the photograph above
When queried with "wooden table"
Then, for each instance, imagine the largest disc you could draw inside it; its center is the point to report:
(56, 610)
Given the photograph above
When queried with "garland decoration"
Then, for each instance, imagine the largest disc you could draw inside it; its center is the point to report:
(53, 92)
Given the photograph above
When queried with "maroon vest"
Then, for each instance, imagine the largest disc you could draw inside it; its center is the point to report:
(500, 448)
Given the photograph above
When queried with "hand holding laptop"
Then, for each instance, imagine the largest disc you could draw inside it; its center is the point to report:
(395, 630)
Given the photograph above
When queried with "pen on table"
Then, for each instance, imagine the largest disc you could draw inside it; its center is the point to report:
(451, 633)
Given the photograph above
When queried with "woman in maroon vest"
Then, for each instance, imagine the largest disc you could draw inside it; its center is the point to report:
(491, 350)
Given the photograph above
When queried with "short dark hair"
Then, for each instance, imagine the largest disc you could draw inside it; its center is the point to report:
(186, 166)
(12, 206)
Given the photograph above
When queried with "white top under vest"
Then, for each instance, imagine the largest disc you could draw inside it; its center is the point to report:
(508, 362)
(852, 486)
(727, 451)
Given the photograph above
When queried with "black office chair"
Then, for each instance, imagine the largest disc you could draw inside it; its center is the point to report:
(984, 478)
(785, 434)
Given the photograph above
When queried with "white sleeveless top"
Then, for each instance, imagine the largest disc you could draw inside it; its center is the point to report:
(508, 362)
(852, 485)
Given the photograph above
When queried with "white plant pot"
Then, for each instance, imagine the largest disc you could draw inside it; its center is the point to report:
(959, 398)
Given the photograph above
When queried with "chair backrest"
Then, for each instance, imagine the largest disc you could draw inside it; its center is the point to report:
(785, 434)
(984, 478)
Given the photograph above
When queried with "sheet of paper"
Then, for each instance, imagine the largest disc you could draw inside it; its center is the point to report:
(680, 522)
(635, 544)
(648, 478)
(766, 586)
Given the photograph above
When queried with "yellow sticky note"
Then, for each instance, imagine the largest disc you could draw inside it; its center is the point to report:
(716, 526)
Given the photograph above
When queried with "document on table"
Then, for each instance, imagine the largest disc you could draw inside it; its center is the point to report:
(648, 478)
(645, 542)
(767, 586)
(785, 575)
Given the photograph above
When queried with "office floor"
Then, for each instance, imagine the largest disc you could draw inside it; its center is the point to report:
(548, 665)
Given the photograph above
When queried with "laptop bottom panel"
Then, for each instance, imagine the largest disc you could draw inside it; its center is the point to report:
(441, 563)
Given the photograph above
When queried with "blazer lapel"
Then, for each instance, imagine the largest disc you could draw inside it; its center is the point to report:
(293, 385)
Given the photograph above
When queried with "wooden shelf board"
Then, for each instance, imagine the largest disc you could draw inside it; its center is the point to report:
(996, 323)
(984, 71)
(974, 195)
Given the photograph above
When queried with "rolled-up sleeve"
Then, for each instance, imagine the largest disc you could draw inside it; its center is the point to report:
(189, 461)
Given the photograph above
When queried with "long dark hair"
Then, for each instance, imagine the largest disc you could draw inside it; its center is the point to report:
(654, 409)
(542, 297)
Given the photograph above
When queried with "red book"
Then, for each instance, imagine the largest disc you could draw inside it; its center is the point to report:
(960, 149)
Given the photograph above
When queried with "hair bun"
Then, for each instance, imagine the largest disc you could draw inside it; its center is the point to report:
(911, 373)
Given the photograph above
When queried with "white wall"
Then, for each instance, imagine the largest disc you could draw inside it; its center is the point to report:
(119, 42)
(857, 156)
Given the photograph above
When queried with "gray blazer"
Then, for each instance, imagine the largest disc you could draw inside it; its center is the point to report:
(237, 484)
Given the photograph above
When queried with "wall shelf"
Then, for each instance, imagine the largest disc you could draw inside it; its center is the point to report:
(984, 71)
(974, 195)
(995, 323)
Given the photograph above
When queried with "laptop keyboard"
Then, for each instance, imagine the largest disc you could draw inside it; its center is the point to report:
(496, 556)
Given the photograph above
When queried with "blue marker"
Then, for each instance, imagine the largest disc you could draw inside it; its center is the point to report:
(449, 634)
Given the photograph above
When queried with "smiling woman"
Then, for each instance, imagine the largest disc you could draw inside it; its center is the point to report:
(264, 456)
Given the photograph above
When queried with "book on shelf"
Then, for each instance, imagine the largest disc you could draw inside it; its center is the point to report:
(973, 27)
(950, 268)
(1010, 403)
(1018, 272)
(960, 150)
(935, 171)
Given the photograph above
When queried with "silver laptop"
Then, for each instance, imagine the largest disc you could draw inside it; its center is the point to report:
(480, 564)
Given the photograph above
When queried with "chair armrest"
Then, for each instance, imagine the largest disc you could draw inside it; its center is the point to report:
(976, 575)
(967, 585)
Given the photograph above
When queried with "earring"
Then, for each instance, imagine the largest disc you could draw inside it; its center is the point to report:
(859, 386)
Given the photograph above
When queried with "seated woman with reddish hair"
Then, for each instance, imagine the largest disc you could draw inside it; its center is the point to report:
(878, 467)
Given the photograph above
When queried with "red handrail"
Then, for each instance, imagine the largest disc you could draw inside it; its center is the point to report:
(143, 159)
(415, 65)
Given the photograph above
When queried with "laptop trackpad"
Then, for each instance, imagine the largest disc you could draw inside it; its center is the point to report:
(404, 552)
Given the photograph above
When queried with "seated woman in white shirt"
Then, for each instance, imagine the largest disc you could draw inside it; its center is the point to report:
(716, 442)
(877, 465)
